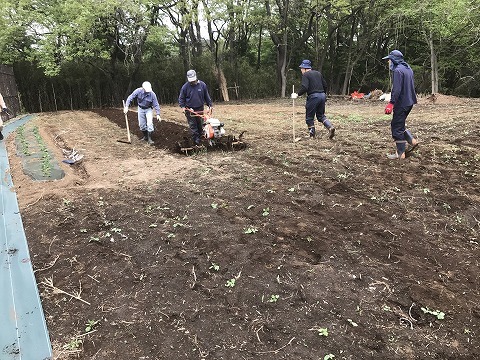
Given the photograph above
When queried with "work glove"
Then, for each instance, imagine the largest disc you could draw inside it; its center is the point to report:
(125, 109)
(159, 118)
(389, 108)
(294, 95)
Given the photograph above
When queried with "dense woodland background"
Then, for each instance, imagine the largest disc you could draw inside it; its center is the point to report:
(84, 54)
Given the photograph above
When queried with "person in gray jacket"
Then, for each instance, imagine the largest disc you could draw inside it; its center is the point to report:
(147, 101)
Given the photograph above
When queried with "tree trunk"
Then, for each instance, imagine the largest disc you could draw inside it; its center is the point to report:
(279, 38)
(434, 65)
(259, 47)
(222, 83)
(350, 63)
(348, 76)
(281, 66)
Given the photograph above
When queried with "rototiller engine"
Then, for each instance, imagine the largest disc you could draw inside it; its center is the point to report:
(214, 135)
(213, 130)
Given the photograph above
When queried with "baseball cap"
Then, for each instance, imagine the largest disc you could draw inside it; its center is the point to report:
(147, 86)
(306, 64)
(394, 54)
(191, 75)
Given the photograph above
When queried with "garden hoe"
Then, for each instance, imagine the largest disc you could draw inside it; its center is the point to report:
(129, 140)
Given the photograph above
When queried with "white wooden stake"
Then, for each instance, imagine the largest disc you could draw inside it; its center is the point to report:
(293, 115)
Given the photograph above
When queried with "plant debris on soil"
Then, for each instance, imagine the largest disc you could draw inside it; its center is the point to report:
(310, 249)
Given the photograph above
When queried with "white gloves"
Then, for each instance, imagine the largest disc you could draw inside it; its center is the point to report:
(125, 109)
(294, 95)
(159, 118)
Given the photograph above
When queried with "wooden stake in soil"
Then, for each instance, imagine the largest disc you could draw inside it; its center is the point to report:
(293, 115)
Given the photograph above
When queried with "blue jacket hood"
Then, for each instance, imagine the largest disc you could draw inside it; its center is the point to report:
(396, 57)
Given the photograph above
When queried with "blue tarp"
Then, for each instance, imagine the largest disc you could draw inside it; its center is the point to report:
(23, 331)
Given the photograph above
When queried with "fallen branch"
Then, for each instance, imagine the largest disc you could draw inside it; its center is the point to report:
(276, 351)
(407, 320)
(50, 246)
(410, 312)
(122, 254)
(85, 334)
(50, 265)
(48, 282)
(91, 277)
(194, 278)
(41, 196)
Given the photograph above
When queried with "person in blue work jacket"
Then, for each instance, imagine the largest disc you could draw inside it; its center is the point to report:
(401, 102)
(192, 99)
(315, 86)
(147, 101)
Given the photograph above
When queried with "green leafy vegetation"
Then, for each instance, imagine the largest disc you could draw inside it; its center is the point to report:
(437, 313)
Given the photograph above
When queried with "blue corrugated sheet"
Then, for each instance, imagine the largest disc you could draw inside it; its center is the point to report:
(23, 331)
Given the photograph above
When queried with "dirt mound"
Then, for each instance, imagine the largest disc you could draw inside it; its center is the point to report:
(441, 99)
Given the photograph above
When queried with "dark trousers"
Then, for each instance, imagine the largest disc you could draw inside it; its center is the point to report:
(398, 122)
(195, 123)
(315, 106)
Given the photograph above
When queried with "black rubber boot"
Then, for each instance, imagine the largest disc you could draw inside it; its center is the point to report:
(411, 141)
(1, 136)
(408, 137)
(330, 128)
(145, 135)
(149, 137)
(331, 132)
(311, 131)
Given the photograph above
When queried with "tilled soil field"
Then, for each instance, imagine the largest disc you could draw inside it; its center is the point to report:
(313, 249)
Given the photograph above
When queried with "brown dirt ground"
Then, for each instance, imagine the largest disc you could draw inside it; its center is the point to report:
(252, 254)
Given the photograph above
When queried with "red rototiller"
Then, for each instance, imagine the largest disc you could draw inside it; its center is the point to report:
(213, 135)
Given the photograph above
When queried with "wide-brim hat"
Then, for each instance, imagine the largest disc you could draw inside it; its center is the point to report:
(306, 64)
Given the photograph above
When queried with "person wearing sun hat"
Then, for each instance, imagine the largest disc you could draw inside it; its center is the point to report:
(402, 99)
(192, 99)
(315, 86)
(147, 101)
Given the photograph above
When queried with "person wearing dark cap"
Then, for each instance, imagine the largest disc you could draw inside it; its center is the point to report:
(314, 85)
(402, 99)
(192, 99)
(147, 101)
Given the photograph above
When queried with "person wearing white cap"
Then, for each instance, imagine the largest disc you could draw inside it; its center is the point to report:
(147, 101)
(192, 99)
